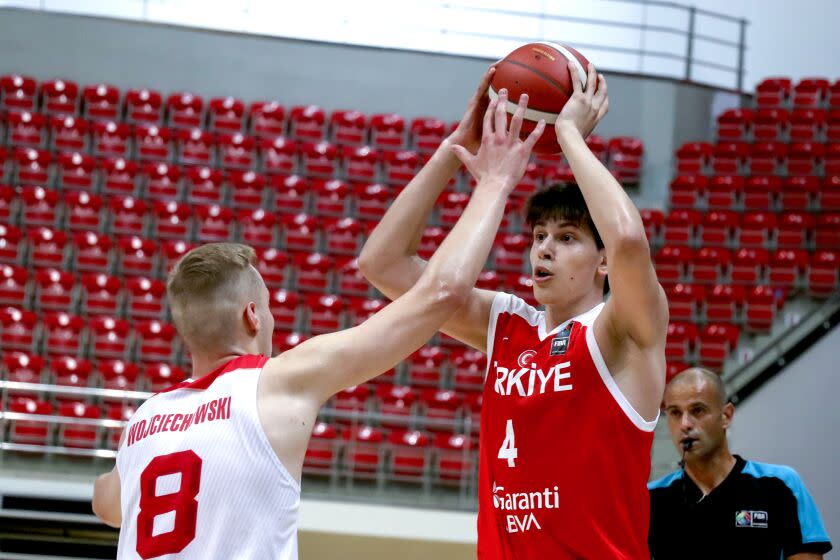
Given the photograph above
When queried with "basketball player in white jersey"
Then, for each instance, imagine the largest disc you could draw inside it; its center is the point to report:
(569, 387)
(211, 468)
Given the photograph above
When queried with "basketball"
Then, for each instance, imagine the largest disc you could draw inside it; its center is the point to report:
(542, 70)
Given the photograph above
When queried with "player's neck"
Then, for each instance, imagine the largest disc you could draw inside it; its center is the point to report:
(556, 315)
(709, 472)
(205, 364)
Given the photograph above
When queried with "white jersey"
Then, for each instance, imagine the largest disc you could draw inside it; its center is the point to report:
(200, 480)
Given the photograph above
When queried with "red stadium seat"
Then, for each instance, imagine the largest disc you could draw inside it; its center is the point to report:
(225, 114)
(360, 163)
(282, 341)
(398, 168)
(320, 160)
(12, 246)
(830, 194)
(302, 232)
(162, 181)
(831, 159)
(672, 369)
(450, 207)
(807, 125)
(824, 274)
(68, 133)
(47, 247)
(453, 459)
(322, 454)
(100, 294)
(172, 220)
(800, 193)
(795, 230)
(214, 223)
(530, 182)
(128, 216)
(14, 286)
(153, 143)
(442, 409)
(146, 298)
(76, 172)
(396, 404)
(348, 127)
(291, 194)
(54, 290)
(771, 125)
(285, 308)
(468, 369)
(489, 280)
(351, 402)
(363, 452)
(8, 205)
(350, 281)
(758, 230)
(372, 200)
(33, 166)
(724, 192)
(810, 93)
(520, 285)
(711, 265)
(773, 92)
(685, 301)
(247, 189)
(121, 412)
(118, 375)
(258, 227)
(267, 119)
(63, 334)
(730, 158)
(161, 376)
(718, 228)
(35, 431)
(828, 232)
(119, 177)
(101, 102)
(92, 253)
(331, 198)
(626, 158)
(425, 366)
(41, 207)
(680, 227)
(279, 155)
(716, 342)
(323, 313)
(185, 110)
(71, 372)
(734, 125)
(805, 158)
(409, 457)
(19, 330)
(272, 265)
(237, 151)
(136, 256)
(725, 303)
(195, 147)
(60, 97)
(511, 253)
(681, 341)
(203, 185)
(78, 435)
(768, 158)
(686, 191)
(787, 268)
(343, 236)
(427, 134)
(83, 211)
(387, 131)
(26, 129)
(762, 305)
(156, 342)
(694, 158)
(362, 309)
(21, 367)
(653, 220)
(18, 92)
(171, 253)
(430, 241)
(306, 123)
(143, 106)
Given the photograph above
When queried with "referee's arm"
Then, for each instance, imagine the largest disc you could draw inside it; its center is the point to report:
(805, 537)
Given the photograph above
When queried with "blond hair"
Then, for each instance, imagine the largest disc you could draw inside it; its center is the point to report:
(207, 290)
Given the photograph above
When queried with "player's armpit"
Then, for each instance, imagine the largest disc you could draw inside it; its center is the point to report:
(469, 323)
(106, 498)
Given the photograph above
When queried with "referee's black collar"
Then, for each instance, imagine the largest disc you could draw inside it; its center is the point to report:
(696, 494)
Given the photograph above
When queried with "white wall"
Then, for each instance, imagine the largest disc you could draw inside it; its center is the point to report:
(794, 420)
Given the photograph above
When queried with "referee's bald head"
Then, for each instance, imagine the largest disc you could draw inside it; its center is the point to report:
(696, 377)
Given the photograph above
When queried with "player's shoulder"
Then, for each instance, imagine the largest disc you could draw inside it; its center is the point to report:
(784, 473)
(505, 303)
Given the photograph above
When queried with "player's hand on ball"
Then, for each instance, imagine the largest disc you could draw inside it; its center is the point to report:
(502, 157)
(586, 107)
(468, 131)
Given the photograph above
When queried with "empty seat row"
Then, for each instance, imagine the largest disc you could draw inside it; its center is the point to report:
(808, 93)
(772, 125)
(761, 158)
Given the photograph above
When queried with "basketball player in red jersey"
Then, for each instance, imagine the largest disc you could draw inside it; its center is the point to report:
(197, 474)
(572, 392)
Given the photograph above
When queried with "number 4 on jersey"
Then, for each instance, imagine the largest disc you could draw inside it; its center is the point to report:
(508, 448)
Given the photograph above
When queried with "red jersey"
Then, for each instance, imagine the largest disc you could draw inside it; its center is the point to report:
(565, 458)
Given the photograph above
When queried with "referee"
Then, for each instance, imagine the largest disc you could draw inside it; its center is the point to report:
(722, 506)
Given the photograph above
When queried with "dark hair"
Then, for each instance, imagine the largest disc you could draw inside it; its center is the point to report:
(562, 202)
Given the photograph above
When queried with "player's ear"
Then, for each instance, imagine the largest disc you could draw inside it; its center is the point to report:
(251, 318)
(728, 413)
(602, 261)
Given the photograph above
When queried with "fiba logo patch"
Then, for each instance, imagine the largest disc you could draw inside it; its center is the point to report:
(526, 357)
(747, 518)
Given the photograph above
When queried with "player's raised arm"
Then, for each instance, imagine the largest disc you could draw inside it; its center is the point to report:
(326, 364)
(637, 307)
(389, 258)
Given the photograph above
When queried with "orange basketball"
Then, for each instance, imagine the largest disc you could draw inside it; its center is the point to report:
(542, 70)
